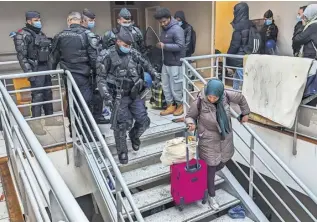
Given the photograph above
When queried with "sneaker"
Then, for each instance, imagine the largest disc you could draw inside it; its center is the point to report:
(179, 111)
(169, 110)
(213, 203)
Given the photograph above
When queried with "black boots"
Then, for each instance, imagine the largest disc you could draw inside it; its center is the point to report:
(123, 158)
(121, 145)
(136, 142)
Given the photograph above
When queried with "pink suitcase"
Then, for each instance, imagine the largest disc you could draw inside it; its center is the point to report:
(189, 180)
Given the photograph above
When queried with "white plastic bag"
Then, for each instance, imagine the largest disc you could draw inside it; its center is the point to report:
(175, 151)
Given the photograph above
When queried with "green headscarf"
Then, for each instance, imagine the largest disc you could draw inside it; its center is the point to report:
(216, 88)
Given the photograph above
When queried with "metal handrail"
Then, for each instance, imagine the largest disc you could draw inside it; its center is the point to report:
(118, 176)
(57, 184)
(254, 136)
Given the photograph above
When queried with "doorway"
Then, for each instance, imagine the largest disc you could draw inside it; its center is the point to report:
(150, 20)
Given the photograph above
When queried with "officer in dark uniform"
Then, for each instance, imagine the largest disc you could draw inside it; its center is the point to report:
(76, 50)
(33, 48)
(121, 70)
(89, 19)
(124, 21)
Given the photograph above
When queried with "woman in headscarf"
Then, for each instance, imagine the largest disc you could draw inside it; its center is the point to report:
(211, 113)
(307, 36)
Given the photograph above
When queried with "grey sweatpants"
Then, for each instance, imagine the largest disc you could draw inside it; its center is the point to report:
(172, 84)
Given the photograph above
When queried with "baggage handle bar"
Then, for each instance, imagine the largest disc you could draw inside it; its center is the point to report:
(197, 166)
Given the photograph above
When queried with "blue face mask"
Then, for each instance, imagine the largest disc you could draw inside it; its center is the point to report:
(124, 49)
(268, 22)
(91, 25)
(125, 24)
(37, 24)
(299, 18)
(180, 23)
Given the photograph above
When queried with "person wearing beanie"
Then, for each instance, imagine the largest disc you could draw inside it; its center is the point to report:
(210, 114)
(120, 78)
(268, 32)
(124, 22)
(33, 57)
(172, 42)
(188, 31)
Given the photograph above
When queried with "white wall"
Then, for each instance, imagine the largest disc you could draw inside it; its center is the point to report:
(12, 17)
(285, 13)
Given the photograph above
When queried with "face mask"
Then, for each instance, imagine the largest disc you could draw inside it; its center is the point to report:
(268, 22)
(180, 23)
(299, 18)
(37, 24)
(125, 24)
(91, 25)
(124, 49)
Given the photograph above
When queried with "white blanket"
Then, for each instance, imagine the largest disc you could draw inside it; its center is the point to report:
(274, 86)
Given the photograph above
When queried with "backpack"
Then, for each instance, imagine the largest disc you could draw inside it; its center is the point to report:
(192, 46)
(254, 41)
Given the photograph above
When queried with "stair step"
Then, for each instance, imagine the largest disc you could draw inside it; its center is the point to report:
(226, 218)
(156, 196)
(152, 132)
(139, 156)
(195, 211)
(145, 175)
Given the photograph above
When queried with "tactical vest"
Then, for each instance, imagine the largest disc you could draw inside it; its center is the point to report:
(71, 51)
(124, 73)
(40, 47)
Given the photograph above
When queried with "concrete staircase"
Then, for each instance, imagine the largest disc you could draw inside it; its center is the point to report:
(148, 179)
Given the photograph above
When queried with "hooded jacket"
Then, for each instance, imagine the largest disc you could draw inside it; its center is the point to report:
(187, 31)
(174, 43)
(241, 26)
(307, 36)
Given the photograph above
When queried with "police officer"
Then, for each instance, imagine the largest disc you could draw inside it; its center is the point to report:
(76, 50)
(120, 72)
(88, 22)
(33, 48)
(124, 21)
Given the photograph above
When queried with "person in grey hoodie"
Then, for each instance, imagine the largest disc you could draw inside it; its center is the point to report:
(172, 41)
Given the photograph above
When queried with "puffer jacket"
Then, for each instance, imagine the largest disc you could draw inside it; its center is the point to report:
(308, 38)
(211, 148)
(187, 31)
(174, 43)
(240, 36)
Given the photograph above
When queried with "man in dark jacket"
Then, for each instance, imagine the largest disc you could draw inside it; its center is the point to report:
(33, 48)
(172, 41)
(88, 21)
(180, 17)
(268, 32)
(76, 49)
(240, 36)
(124, 21)
(298, 27)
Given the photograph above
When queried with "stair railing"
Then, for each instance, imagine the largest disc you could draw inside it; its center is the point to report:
(190, 87)
(38, 182)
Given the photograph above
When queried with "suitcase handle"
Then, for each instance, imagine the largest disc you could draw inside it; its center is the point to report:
(197, 166)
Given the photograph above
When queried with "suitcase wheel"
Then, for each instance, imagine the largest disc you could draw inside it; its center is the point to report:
(204, 201)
